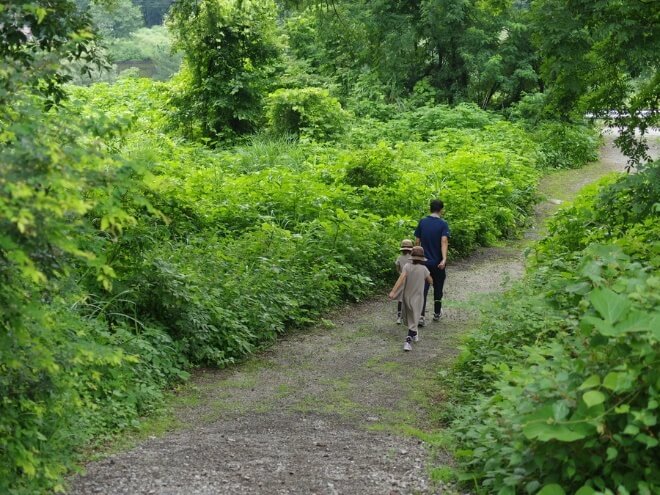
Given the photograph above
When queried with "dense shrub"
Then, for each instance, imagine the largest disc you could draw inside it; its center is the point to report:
(68, 367)
(565, 145)
(306, 112)
(562, 396)
(372, 167)
(420, 124)
(561, 144)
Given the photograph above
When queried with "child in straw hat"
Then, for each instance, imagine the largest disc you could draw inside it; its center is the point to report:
(412, 280)
(401, 261)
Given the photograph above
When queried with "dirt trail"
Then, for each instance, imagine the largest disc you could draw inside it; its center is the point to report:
(325, 410)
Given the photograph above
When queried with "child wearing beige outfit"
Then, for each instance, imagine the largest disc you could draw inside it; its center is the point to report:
(412, 279)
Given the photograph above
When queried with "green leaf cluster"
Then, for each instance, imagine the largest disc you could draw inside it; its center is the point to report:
(562, 396)
(309, 113)
(227, 46)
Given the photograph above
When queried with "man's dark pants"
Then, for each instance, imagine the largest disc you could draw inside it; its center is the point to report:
(438, 275)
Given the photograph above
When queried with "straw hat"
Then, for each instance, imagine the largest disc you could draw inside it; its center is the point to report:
(418, 254)
(406, 245)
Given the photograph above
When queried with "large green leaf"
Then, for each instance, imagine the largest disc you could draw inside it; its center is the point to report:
(552, 489)
(611, 306)
(591, 382)
(602, 326)
(545, 431)
(593, 398)
(585, 490)
(618, 381)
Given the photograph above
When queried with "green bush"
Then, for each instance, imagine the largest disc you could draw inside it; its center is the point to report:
(558, 393)
(63, 370)
(566, 145)
(579, 413)
(561, 144)
(420, 124)
(310, 113)
(372, 167)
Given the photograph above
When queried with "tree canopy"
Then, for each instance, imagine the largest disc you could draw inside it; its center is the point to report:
(602, 58)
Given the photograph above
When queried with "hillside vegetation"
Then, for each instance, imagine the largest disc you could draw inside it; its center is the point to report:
(150, 227)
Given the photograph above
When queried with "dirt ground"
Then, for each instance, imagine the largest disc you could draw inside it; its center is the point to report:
(335, 409)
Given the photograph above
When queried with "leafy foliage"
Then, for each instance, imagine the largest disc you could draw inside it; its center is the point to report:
(602, 58)
(154, 11)
(566, 146)
(63, 198)
(227, 45)
(116, 19)
(35, 36)
(467, 50)
(308, 112)
(572, 369)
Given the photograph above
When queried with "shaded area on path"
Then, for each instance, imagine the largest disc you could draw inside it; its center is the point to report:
(324, 410)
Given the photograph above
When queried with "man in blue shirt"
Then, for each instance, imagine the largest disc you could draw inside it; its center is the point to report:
(432, 234)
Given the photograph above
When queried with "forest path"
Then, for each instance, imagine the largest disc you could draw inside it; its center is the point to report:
(336, 409)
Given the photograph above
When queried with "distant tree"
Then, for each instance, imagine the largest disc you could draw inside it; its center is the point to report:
(116, 19)
(154, 10)
(603, 57)
(467, 49)
(228, 46)
(499, 56)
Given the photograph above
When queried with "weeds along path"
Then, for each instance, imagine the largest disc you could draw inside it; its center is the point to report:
(339, 408)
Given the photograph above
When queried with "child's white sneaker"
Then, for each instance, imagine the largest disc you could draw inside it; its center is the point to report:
(398, 320)
(406, 345)
(422, 322)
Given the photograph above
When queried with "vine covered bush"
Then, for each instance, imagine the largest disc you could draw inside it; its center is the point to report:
(305, 112)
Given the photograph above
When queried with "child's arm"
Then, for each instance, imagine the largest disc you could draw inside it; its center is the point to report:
(397, 285)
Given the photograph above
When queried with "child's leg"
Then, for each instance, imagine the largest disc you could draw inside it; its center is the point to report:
(399, 305)
(411, 322)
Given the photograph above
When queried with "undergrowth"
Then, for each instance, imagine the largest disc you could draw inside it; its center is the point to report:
(130, 255)
(557, 391)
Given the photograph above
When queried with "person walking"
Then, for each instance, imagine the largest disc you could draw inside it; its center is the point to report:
(412, 281)
(432, 234)
(401, 261)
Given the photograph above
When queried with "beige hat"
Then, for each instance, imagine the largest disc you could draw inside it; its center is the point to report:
(418, 254)
(406, 245)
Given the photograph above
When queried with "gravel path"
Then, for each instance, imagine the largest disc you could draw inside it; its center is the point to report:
(328, 410)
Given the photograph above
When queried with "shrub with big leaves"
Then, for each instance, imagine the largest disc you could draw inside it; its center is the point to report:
(580, 414)
(571, 379)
